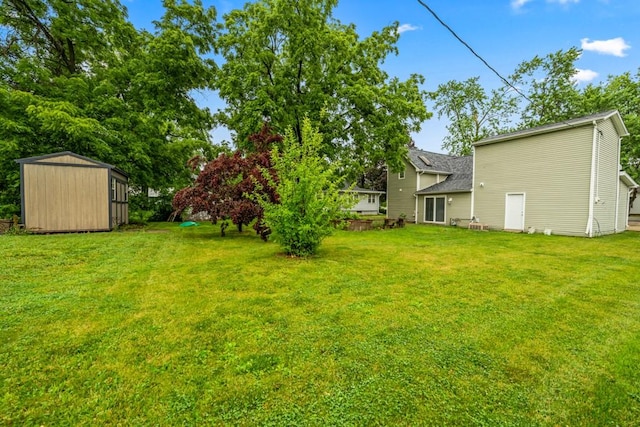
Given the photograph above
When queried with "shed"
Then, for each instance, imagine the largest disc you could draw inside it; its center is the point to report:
(67, 192)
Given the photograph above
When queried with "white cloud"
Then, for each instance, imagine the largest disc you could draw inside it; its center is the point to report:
(615, 47)
(517, 4)
(584, 76)
(407, 27)
(564, 1)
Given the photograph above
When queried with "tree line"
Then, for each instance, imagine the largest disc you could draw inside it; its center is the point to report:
(542, 90)
(77, 75)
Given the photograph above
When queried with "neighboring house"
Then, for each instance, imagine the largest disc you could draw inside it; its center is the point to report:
(563, 178)
(433, 188)
(367, 202)
(634, 211)
(66, 192)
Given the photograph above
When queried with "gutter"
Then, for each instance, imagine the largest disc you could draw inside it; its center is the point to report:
(592, 183)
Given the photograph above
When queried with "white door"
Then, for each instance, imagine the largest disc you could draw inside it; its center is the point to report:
(514, 212)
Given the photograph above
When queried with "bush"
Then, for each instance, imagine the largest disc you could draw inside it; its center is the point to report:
(308, 190)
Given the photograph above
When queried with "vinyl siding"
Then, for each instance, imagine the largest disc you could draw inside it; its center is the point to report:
(604, 211)
(400, 193)
(428, 179)
(460, 206)
(552, 170)
(623, 207)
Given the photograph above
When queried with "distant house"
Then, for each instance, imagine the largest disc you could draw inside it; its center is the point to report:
(563, 178)
(367, 202)
(66, 192)
(433, 188)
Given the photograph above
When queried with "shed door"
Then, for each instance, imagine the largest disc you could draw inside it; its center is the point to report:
(514, 212)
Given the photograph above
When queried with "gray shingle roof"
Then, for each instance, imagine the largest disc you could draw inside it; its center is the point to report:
(459, 170)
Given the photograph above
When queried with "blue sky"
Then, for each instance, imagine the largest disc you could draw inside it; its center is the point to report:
(503, 32)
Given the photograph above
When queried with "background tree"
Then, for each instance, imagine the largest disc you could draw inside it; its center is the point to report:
(227, 187)
(620, 93)
(308, 191)
(473, 115)
(76, 75)
(288, 60)
(550, 87)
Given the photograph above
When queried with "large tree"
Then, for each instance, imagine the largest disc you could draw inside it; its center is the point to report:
(76, 75)
(472, 113)
(549, 84)
(288, 60)
(620, 93)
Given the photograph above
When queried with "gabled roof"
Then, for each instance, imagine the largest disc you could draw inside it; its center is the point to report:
(84, 161)
(459, 180)
(427, 161)
(614, 115)
(457, 169)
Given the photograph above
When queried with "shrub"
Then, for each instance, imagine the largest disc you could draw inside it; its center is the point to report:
(308, 193)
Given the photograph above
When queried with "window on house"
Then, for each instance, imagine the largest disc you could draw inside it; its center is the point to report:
(401, 175)
(372, 198)
(434, 209)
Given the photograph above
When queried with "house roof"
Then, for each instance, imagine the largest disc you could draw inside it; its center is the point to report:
(427, 161)
(614, 115)
(357, 189)
(629, 182)
(460, 178)
(458, 170)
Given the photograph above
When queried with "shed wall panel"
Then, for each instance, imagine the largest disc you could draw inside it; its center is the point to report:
(66, 159)
(59, 198)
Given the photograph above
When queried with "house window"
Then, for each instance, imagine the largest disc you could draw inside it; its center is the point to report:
(372, 198)
(434, 209)
(401, 175)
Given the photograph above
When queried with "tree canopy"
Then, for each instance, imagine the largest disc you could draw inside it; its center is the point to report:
(474, 115)
(547, 92)
(76, 75)
(284, 61)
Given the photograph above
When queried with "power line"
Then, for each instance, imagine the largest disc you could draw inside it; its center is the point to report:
(435, 15)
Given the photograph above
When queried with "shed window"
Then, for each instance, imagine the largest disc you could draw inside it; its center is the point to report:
(434, 209)
(114, 189)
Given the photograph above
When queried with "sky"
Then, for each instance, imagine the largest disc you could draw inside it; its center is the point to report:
(504, 32)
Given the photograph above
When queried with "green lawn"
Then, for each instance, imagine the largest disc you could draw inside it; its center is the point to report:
(421, 325)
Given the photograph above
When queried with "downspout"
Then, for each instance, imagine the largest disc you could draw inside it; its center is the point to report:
(628, 206)
(415, 209)
(473, 182)
(618, 187)
(592, 182)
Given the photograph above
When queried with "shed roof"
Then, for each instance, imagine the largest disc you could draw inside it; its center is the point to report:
(614, 115)
(50, 159)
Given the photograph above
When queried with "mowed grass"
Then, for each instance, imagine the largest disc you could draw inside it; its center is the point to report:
(414, 326)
